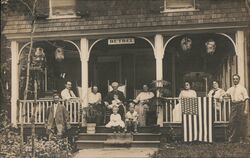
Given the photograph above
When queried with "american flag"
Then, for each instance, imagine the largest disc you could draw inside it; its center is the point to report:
(197, 119)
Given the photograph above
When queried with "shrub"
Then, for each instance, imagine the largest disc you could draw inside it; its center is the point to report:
(10, 141)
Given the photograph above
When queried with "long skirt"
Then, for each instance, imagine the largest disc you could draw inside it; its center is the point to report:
(141, 109)
(177, 113)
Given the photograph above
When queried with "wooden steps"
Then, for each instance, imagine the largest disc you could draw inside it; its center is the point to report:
(117, 140)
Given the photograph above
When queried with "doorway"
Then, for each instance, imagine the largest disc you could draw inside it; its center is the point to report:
(107, 69)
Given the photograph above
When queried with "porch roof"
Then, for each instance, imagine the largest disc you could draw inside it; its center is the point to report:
(232, 14)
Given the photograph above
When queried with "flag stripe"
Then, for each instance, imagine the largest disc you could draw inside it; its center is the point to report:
(185, 127)
(210, 119)
(195, 127)
(205, 118)
(190, 127)
(200, 120)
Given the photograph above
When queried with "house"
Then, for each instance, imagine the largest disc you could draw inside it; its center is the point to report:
(133, 41)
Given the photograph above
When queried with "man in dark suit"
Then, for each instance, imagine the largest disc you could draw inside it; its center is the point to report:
(57, 117)
(110, 97)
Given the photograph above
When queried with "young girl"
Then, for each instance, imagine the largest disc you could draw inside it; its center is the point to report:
(115, 122)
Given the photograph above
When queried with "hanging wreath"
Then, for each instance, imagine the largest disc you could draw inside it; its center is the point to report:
(59, 54)
(210, 46)
(38, 58)
(186, 44)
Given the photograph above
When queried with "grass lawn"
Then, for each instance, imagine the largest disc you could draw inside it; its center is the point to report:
(202, 150)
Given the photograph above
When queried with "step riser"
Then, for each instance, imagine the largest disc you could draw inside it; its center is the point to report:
(104, 137)
(146, 138)
(140, 130)
(81, 146)
(103, 145)
(149, 145)
(92, 137)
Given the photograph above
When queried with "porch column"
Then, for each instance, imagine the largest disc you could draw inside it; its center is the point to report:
(84, 46)
(241, 57)
(14, 81)
(159, 53)
(242, 66)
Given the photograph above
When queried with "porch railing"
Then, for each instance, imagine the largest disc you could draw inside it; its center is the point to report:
(221, 110)
(25, 109)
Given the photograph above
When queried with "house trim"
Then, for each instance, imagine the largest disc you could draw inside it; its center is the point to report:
(125, 31)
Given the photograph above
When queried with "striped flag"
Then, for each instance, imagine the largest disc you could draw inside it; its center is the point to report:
(197, 119)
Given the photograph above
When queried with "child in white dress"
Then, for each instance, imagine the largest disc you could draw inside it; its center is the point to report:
(115, 122)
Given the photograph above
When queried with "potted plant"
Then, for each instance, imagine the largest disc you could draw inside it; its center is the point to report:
(91, 119)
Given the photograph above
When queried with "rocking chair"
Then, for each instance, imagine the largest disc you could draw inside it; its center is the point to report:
(122, 88)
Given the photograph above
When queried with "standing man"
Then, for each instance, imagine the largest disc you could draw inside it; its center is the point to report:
(67, 93)
(57, 117)
(237, 122)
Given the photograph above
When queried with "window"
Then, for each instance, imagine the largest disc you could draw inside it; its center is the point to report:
(62, 8)
(179, 5)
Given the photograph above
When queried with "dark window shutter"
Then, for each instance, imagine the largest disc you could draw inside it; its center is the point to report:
(82, 8)
(156, 6)
(42, 9)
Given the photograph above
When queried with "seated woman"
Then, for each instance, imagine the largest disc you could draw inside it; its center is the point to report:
(187, 92)
(143, 100)
(95, 101)
(217, 93)
(115, 122)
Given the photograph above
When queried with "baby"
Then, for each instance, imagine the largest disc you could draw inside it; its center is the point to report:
(131, 120)
(115, 122)
(115, 102)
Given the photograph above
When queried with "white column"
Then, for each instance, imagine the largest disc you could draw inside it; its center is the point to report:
(241, 55)
(84, 46)
(14, 81)
(159, 53)
(84, 62)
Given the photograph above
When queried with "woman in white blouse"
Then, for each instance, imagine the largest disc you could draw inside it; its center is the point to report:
(143, 100)
(217, 93)
(187, 92)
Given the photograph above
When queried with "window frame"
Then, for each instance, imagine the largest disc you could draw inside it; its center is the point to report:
(179, 9)
(51, 16)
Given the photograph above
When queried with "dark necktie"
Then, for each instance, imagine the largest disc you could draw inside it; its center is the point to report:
(70, 93)
(214, 92)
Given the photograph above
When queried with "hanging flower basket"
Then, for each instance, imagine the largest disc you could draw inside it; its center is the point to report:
(59, 54)
(186, 44)
(210, 46)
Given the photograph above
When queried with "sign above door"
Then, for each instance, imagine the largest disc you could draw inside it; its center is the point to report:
(120, 41)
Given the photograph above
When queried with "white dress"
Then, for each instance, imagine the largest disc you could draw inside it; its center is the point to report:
(115, 120)
(177, 109)
(142, 107)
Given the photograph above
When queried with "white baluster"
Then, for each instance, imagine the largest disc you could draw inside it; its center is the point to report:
(215, 111)
(20, 110)
(75, 112)
(171, 111)
(229, 109)
(39, 112)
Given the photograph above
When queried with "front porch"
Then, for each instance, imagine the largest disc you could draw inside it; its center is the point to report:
(89, 60)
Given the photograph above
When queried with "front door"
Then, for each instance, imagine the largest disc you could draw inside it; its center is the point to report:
(108, 69)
